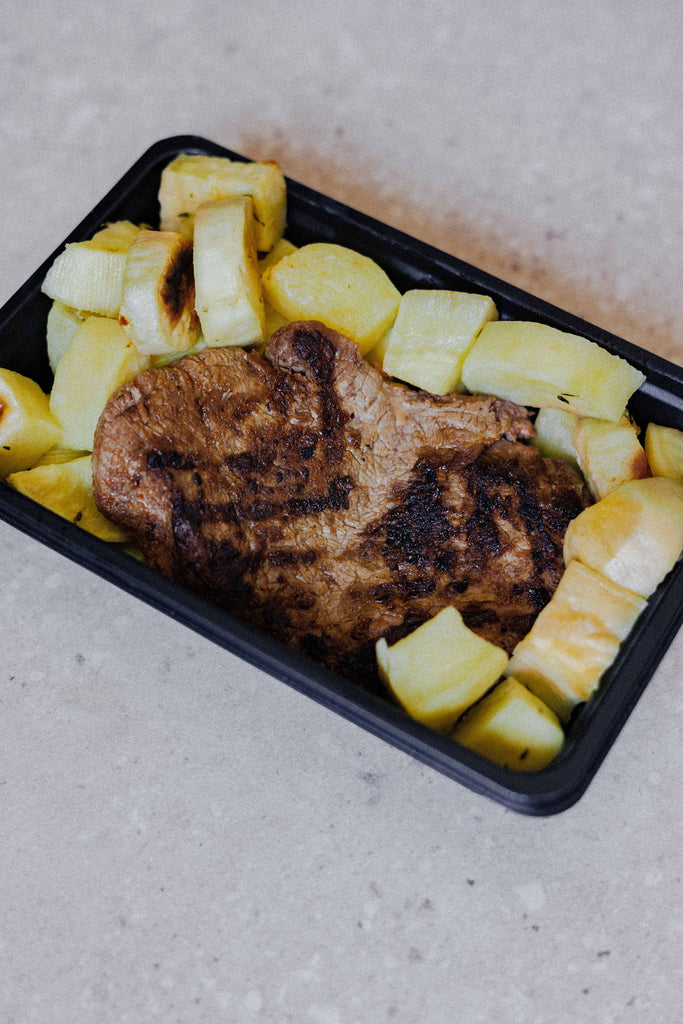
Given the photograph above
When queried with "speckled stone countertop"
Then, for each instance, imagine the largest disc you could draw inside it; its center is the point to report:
(185, 839)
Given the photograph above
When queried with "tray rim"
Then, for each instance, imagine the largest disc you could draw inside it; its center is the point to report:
(551, 791)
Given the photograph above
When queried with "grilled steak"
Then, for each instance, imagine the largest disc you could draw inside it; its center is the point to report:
(312, 496)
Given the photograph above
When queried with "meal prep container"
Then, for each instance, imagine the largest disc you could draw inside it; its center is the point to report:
(410, 264)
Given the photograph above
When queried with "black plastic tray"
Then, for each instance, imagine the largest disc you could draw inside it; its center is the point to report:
(410, 264)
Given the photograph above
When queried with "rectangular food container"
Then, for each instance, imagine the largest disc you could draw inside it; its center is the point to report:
(410, 264)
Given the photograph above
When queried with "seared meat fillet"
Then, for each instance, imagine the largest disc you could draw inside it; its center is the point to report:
(312, 496)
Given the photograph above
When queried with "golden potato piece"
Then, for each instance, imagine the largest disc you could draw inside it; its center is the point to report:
(192, 179)
(229, 302)
(62, 324)
(537, 365)
(433, 331)
(283, 247)
(609, 454)
(575, 638)
(66, 488)
(511, 727)
(348, 292)
(158, 295)
(633, 536)
(99, 358)
(664, 450)
(440, 669)
(554, 434)
(118, 235)
(27, 427)
(84, 276)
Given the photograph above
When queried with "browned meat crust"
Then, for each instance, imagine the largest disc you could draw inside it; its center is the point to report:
(312, 496)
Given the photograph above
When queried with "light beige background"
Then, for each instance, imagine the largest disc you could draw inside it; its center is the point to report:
(185, 839)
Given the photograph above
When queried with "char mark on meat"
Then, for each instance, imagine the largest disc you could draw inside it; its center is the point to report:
(314, 497)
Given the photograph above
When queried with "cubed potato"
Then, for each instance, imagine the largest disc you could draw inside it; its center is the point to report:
(62, 324)
(79, 276)
(65, 487)
(273, 318)
(99, 358)
(609, 454)
(57, 455)
(378, 351)
(345, 290)
(118, 235)
(27, 426)
(664, 450)
(575, 638)
(633, 536)
(511, 727)
(554, 433)
(282, 248)
(273, 321)
(228, 299)
(172, 357)
(85, 276)
(158, 293)
(539, 366)
(440, 669)
(190, 180)
(433, 331)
